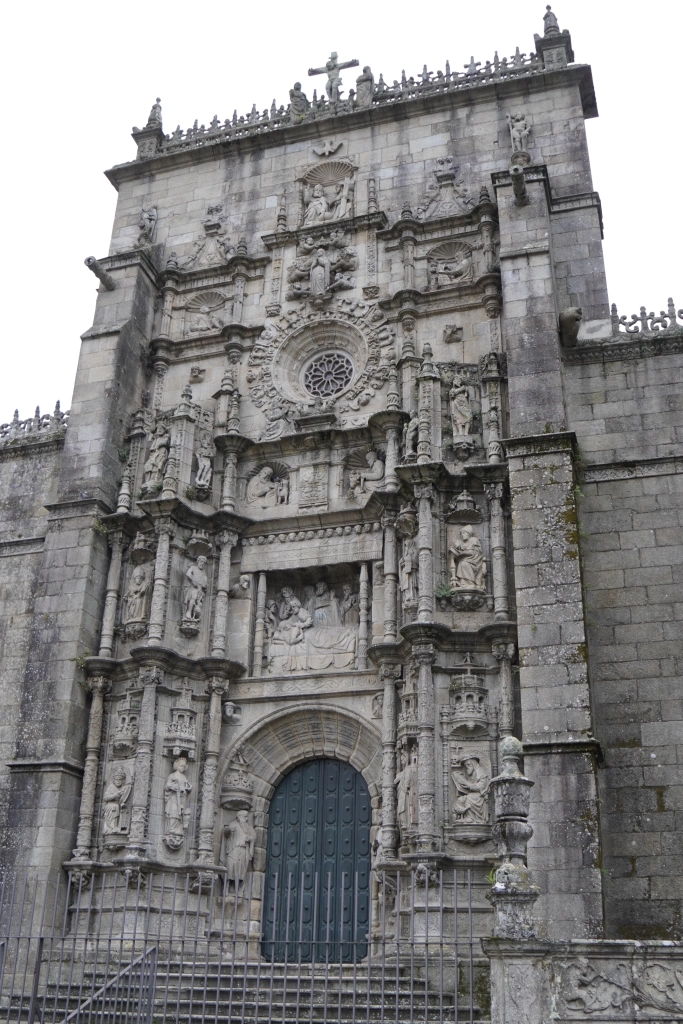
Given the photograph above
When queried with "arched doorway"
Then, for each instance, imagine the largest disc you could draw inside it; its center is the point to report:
(317, 884)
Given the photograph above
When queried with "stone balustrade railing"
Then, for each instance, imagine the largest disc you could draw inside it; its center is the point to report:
(646, 323)
(36, 427)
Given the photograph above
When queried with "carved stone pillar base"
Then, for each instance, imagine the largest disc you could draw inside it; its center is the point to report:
(513, 907)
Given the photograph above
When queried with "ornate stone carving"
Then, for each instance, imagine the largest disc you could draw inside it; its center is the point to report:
(194, 592)
(449, 263)
(365, 86)
(471, 780)
(314, 632)
(447, 196)
(157, 457)
(519, 134)
(215, 247)
(332, 68)
(147, 225)
(324, 262)
(364, 479)
(408, 574)
(570, 322)
(407, 793)
(298, 102)
(237, 791)
(180, 737)
(115, 812)
(176, 805)
(204, 474)
(125, 738)
(240, 837)
(268, 487)
(327, 147)
(467, 570)
(135, 604)
(377, 705)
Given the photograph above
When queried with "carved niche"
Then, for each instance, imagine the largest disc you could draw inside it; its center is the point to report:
(135, 602)
(180, 737)
(340, 357)
(448, 264)
(115, 805)
(206, 313)
(323, 266)
(268, 486)
(125, 737)
(327, 193)
(177, 805)
(461, 394)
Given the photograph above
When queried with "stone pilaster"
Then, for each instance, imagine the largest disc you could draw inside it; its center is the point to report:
(111, 597)
(363, 605)
(98, 686)
(504, 652)
(157, 613)
(227, 540)
(424, 494)
(390, 578)
(217, 689)
(389, 674)
(260, 625)
(494, 493)
(428, 839)
(137, 846)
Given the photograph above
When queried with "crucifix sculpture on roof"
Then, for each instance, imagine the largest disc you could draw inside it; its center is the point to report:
(332, 69)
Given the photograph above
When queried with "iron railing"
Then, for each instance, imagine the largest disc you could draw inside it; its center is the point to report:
(184, 948)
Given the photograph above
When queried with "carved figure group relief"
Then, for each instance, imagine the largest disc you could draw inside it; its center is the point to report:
(447, 196)
(239, 839)
(194, 592)
(313, 632)
(589, 988)
(449, 263)
(327, 193)
(135, 604)
(176, 805)
(325, 264)
(267, 488)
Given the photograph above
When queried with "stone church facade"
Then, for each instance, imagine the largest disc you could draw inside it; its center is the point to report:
(361, 467)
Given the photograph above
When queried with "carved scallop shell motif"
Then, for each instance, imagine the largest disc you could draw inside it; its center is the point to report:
(211, 299)
(329, 173)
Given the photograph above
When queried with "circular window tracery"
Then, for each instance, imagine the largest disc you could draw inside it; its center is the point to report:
(328, 374)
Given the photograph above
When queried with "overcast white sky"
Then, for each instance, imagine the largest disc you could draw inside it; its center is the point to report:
(77, 75)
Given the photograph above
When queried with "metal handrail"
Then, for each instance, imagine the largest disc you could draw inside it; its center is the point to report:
(150, 953)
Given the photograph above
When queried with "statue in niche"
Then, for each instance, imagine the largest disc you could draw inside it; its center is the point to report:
(471, 782)
(406, 791)
(134, 612)
(326, 608)
(288, 640)
(240, 837)
(114, 798)
(372, 477)
(460, 408)
(449, 263)
(317, 209)
(194, 591)
(407, 573)
(320, 272)
(155, 465)
(147, 225)
(265, 489)
(410, 436)
(468, 565)
(176, 810)
(205, 320)
(349, 611)
(320, 210)
(519, 132)
(204, 464)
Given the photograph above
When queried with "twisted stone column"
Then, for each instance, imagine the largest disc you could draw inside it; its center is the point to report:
(157, 613)
(424, 655)
(227, 540)
(217, 688)
(111, 599)
(98, 687)
(150, 677)
(424, 494)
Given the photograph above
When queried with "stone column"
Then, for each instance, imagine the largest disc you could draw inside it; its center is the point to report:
(157, 613)
(390, 578)
(260, 626)
(425, 607)
(227, 540)
(429, 410)
(389, 674)
(217, 688)
(160, 367)
(111, 599)
(408, 253)
(494, 493)
(504, 653)
(166, 311)
(98, 686)
(363, 625)
(150, 677)
(425, 654)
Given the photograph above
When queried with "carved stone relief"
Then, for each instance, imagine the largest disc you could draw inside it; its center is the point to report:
(449, 263)
(115, 809)
(204, 457)
(202, 313)
(237, 791)
(215, 247)
(407, 793)
(125, 738)
(328, 192)
(365, 474)
(157, 457)
(239, 839)
(135, 604)
(467, 568)
(268, 487)
(180, 737)
(324, 264)
(147, 225)
(447, 196)
(176, 805)
(408, 574)
(194, 592)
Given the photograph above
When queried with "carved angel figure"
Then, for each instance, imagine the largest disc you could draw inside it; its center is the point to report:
(468, 565)
(115, 795)
(240, 836)
(196, 582)
(176, 810)
(461, 410)
(156, 460)
(471, 782)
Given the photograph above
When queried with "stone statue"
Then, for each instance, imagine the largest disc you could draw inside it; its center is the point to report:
(410, 435)
(320, 272)
(372, 477)
(205, 320)
(298, 101)
(349, 611)
(134, 612)
(550, 23)
(115, 795)
(519, 132)
(471, 782)
(147, 225)
(176, 810)
(272, 619)
(194, 591)
(204, 464)
(365, 85)
(459, 403)
(153, 473)
(406, 791)
(407, 573)
(355, 486)
(240, 836)
(262, 490)
(377, 705)
(570, 324)
(332, 69)
(468, 566)
(154, 118)
(317, 208)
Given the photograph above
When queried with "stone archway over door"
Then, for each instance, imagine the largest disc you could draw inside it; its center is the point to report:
(317, 886)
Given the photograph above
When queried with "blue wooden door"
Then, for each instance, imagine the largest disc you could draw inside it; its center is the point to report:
(317, 893)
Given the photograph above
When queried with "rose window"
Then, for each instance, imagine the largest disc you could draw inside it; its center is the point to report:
(328, 374)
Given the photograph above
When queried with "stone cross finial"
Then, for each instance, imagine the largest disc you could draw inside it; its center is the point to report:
(332, 69)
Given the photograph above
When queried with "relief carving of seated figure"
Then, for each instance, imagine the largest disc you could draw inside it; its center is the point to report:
(330, 644)
(262, 490)
(372, 477)
(288, 642)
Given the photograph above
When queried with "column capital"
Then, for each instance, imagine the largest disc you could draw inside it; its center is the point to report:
(494, 491)
(227, 538)
(424, 491)
(218, 685)
(424, 653)
(98, 685)
(502, 650)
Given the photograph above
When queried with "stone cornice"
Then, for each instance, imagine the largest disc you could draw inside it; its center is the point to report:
(29, 765)
(540, 444)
